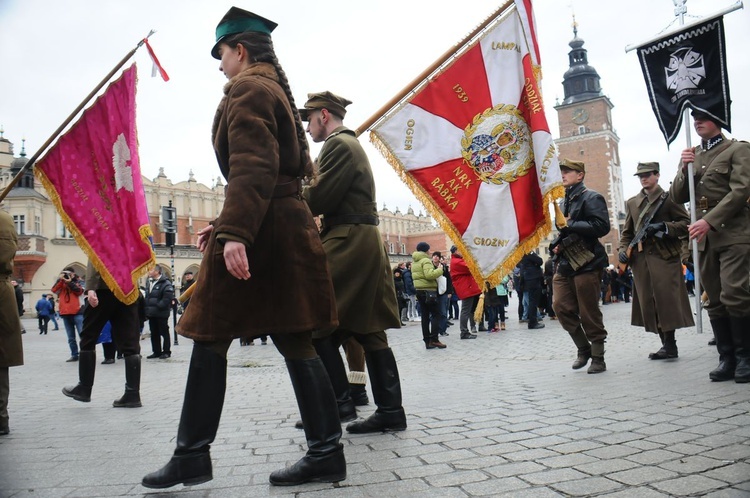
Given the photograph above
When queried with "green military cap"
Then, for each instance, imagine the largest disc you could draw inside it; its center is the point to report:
(237, 20)
(573, 165)
(324, 100)
(646, 168)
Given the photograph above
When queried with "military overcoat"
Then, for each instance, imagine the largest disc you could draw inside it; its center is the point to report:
(290, 288)
(362, 277)
(660, 300)
(11, 346)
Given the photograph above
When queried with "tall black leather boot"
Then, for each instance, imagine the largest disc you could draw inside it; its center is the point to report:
(324, 460)
(741, 336)
(201, 413)
(334, 365)
(386, 391)
(86, 369)
(725, 346)
(132, 396)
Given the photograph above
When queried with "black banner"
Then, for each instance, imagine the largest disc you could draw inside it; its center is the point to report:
(687, 69)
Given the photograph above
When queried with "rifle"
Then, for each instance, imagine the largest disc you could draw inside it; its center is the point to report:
(638, 239)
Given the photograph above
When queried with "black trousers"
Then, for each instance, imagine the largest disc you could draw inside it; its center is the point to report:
(534, 296)
(160, 330)
(124, 320)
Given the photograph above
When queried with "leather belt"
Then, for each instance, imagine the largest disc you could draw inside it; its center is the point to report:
(288, 189)
(350, 219)
(704, 203)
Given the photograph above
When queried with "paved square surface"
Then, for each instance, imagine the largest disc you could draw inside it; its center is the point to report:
(502, 415)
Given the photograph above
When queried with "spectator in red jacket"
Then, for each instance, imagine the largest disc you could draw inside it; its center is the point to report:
(69, 289)
(468, 292)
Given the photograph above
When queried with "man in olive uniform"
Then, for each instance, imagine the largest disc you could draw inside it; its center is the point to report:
(660, 300)
(722, 229)
(580, 261)
(11, 348)
(344, 194)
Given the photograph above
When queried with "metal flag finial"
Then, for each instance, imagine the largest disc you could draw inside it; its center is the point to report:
(680, 7)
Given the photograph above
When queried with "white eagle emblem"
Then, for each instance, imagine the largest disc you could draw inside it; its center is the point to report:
(121, 164)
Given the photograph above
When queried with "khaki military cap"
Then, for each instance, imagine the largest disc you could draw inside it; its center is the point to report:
(573, 165)
(324, 100)
(646, 168)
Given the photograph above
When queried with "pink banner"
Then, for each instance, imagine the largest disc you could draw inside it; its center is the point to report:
(93, 176)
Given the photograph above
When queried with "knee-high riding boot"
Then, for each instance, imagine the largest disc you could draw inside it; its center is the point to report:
(334, 365)
(725, 346)
(132, 396)
(324, 461)
(386, 391)
(741, 337)
(86, 369)
(201, 413)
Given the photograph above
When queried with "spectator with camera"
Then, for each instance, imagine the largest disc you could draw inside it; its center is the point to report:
(69, 289)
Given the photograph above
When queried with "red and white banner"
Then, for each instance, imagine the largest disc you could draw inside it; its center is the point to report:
(93, 176)
(474, 146)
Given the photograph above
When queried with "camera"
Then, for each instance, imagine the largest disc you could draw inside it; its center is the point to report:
(66, 275)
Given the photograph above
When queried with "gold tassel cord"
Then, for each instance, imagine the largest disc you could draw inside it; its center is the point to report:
(478, 314)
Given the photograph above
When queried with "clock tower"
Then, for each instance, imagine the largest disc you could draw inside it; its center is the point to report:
(587, 134)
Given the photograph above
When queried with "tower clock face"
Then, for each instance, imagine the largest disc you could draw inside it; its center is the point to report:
(580, 116)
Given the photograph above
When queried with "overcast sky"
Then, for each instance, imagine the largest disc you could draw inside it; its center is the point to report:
(52, 53)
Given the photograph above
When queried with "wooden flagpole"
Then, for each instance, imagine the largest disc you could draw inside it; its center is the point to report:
(70, 118)
(427, 72)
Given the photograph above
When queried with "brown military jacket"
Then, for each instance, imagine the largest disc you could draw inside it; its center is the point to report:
(362, 278)
(722, 189)
(290, 288)
(660, 300)
(11, 347)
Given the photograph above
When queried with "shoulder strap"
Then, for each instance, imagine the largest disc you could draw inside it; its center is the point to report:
(658, 202)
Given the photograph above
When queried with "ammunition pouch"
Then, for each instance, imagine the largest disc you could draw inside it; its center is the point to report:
(668, 247)
(575, 251)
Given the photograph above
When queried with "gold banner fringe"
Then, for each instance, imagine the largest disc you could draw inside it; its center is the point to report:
(506, 267)
(144, 231)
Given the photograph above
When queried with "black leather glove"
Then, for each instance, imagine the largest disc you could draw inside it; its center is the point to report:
(565, 231)
(623, 257)
(653, 228)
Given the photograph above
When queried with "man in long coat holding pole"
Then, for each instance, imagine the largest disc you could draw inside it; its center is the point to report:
(344, 194)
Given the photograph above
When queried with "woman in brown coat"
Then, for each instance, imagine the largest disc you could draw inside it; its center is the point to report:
(261, 148)
(11, 348)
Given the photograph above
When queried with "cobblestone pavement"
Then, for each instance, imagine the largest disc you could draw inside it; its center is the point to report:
(502, 415)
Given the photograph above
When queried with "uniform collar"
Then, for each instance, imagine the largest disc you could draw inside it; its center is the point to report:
(652, 196)
(712, 142)
(339, 130)
(255, 69)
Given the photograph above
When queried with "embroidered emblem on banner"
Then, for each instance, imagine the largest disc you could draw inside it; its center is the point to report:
(686, 70)
(496, 145)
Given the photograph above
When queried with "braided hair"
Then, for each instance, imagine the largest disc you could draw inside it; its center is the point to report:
(259, 47)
